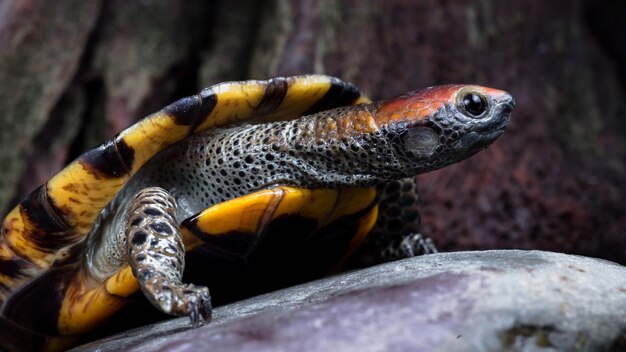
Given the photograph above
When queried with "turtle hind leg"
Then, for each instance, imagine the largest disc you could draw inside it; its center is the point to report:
(157, 256)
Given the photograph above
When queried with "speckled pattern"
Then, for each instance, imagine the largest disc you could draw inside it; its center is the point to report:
(325, 164)
(344, 147)
(157, 256)
(361, 145)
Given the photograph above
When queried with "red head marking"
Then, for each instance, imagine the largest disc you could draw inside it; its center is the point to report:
(418, 105)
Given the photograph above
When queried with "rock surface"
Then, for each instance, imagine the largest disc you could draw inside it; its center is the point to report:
(464, 301)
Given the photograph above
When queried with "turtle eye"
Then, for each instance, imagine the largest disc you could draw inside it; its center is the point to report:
(474, 104)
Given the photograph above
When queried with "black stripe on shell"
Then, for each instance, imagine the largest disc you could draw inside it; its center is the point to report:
(49, 231)
(334, 239)
(192, 111)
(209, 101)
(13, 267)
(273, 96)
(38, 304)
(184, 110)
(339, 94)
(42, 213)
(233, 242)
(111, 160)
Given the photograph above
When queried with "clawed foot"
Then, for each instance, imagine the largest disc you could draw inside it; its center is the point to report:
(416, 244)
(185, 299)
(410, 246)
(157, 257)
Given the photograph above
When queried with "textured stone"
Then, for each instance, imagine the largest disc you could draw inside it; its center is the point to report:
(464, 301)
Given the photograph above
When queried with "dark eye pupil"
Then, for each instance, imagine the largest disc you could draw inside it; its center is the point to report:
(474, 104)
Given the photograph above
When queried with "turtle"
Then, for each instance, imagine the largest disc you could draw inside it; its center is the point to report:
(250, 184)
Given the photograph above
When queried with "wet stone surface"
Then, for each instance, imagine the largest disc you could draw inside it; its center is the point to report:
(463, 301)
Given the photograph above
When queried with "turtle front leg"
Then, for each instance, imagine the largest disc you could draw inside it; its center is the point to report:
(157, 256)
(397, 229)
(410, 245)
(396, 233)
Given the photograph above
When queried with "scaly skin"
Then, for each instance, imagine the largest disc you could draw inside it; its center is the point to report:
(42, 229)
(364, 145)
(320, 157)
(157, 256)
(42, 240)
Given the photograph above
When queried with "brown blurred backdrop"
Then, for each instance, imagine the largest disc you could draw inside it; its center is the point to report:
(75, 72)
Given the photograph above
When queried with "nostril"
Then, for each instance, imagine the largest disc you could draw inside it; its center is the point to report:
(510, 101)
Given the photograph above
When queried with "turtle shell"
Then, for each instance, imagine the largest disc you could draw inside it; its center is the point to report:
(57, 280)
(46, 229)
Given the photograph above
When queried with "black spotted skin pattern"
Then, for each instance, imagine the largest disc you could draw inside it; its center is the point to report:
(396, 234)
(156, 255)
(113, 219)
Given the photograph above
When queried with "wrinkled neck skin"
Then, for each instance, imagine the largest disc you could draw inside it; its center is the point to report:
(357, 146)
(329, 149)
(340, 148)
(347, 147)
(344, 148)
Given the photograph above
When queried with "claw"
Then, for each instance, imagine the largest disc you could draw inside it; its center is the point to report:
(207, 310)
(410, 246)
(199, 307)
(183, 299)
(195, 316)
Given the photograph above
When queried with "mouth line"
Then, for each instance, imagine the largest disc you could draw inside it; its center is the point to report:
(493, 134)
(478, 140)
(498, 129)
(494, 131)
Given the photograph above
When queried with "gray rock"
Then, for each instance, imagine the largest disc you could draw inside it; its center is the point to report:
(465, 301)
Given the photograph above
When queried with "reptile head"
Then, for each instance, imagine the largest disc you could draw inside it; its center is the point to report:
(441, 125)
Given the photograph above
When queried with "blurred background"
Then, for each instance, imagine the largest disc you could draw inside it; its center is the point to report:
(73, 73)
